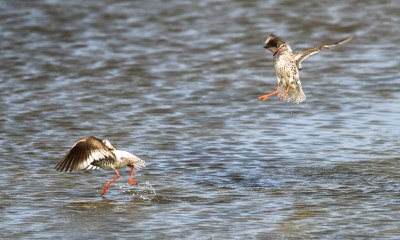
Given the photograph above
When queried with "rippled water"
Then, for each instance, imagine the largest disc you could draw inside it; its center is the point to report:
(176, 83)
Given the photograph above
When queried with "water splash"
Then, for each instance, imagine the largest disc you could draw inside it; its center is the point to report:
(148, 187)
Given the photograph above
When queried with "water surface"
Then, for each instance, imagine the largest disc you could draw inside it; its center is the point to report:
(177, 85)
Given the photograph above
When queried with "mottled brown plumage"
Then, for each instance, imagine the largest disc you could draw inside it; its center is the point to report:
(287, 66)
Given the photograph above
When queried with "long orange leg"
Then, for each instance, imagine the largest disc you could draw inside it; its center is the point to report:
(132, 170)
(284, 94)
(264, 97)
(109, 183)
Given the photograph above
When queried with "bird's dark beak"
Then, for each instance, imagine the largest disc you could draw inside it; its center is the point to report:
(265, 46)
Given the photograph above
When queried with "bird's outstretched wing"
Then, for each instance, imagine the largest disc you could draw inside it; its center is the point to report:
(83, 153)
(299, 57)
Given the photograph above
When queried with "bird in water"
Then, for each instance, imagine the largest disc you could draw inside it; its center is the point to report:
(287, 66)
(93, 153)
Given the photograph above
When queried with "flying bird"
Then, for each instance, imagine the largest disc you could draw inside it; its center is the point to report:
(287, 66)
(93, 153)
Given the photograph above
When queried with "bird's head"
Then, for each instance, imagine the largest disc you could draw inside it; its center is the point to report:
(275, 44)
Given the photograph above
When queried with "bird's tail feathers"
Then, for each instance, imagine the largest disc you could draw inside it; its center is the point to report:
(294, 95)
(139, 163)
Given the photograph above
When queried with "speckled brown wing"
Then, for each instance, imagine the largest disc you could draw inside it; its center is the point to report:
(83, 153)
(299, 57)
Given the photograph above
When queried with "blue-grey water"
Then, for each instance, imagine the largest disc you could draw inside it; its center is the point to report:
(176, 83)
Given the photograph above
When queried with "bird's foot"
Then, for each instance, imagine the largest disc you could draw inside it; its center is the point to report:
(132, 182)
(263, 98)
